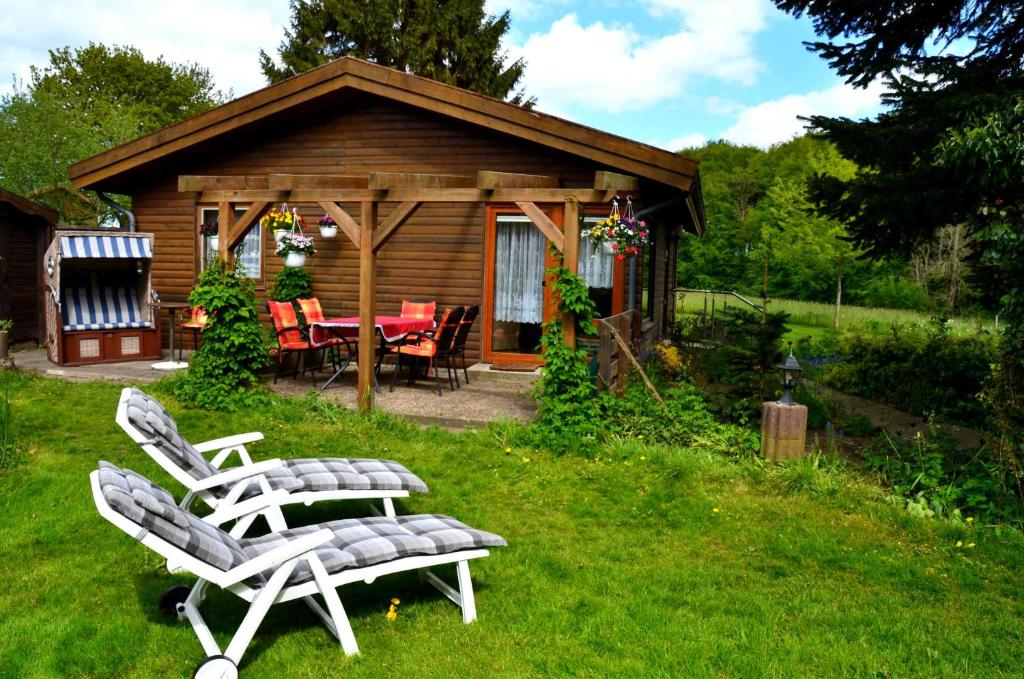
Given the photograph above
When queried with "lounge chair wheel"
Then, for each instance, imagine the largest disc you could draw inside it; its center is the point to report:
(171, 598)
(216, 667)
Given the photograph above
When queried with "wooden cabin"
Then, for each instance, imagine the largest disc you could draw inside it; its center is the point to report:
(459, 194)
(26, 228)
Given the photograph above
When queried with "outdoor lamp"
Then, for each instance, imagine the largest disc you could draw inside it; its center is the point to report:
(789, 373)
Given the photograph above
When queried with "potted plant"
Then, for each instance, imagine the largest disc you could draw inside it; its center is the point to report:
(295, 247)
(328, 227)
(281, 222)
(5, 337)
(210, 231)
(619, 235)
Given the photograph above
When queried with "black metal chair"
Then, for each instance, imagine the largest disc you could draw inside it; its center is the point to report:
(459, 344)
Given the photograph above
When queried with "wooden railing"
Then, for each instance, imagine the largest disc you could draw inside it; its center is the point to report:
(612, 361)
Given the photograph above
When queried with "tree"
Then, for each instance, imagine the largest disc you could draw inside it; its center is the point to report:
(86, 101)
(454, 42)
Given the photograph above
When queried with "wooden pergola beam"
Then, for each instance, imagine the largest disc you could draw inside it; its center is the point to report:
(544, 223)
(419, 195)
(288, 182)
(192, 183)
(344, 221)
(509, 180)
(367, 306)
(612, 181)
(252, 215)
(409, 180)
(225, 222)
(395, 220)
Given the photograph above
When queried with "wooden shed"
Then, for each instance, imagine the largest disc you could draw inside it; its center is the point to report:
(25, 230)
(440, 193)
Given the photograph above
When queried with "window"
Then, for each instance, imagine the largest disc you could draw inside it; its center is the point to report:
(597, 269)
(248, 254)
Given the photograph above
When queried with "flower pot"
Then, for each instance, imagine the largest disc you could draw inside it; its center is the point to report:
(212, 243)
(607, 248)
(278, 235)
(295, 259)
(328, 231)
(5, 343)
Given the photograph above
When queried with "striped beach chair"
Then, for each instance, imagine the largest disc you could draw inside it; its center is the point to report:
(92, 302)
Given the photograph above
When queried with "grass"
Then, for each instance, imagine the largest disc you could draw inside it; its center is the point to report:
(644, 561)
(810, 318)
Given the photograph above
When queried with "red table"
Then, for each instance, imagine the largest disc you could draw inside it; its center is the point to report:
(389, 328)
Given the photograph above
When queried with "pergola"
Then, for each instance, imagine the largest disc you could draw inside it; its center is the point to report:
(369, 234)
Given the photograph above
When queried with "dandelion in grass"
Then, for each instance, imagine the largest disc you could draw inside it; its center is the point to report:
(392, 614)
(970, 545)
(959, 543)
(395, 601)
(526, 460)
(716, 510)
(508, 450)
(970, 519)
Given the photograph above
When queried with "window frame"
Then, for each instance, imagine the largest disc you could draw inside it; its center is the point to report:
(199, 245)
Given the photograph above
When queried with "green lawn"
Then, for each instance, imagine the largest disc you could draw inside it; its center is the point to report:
(642, 562)
(807, 316)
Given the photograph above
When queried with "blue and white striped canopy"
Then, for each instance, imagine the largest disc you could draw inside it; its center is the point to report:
(106, 246)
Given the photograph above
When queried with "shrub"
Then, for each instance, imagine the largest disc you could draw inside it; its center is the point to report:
(893, 292)
(291, 283)
(938, 478)
(234, 350)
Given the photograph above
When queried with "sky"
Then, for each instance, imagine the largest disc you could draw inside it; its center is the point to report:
(672, 73)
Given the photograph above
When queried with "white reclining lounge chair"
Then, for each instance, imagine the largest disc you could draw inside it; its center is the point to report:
(304, 480)
(286, 565)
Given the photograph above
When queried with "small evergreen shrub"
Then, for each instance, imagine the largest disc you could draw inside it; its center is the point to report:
(227, 365)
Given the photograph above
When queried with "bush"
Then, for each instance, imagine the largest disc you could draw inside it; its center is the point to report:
(745, 361)
(233, 352)
(938, 478)
(892, 292)
(291, 283)
(922, 373)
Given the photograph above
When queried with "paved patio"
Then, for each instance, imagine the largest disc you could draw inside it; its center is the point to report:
(491, 395)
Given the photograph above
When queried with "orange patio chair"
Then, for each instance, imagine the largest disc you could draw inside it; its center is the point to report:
(291, 338)
(418, 308)
(196, 323)
(313, 312)
(430, 348)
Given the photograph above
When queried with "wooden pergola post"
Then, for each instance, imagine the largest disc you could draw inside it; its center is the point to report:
(367, 305)
(570, 259)
(225, 222)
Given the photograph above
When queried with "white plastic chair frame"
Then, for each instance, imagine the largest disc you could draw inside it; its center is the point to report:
(249, 469)
(283, 560)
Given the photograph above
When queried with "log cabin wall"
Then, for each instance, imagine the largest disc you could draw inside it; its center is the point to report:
(23, 239)
(437, 254)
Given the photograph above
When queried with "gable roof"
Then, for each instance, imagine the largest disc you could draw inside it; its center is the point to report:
(28, 207)
(616, 152)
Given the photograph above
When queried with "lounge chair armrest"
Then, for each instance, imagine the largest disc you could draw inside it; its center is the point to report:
(225, 513)
(228, 442)
(277, 556)
(235, 474)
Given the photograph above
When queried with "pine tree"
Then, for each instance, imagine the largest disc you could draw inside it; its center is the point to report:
(454, 42)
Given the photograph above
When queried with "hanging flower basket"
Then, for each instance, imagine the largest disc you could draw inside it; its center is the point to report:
(295, 259)
(210, 231)
(213, 244)
(621, 234)
(297, 244)
(281, 222)
(328, 227)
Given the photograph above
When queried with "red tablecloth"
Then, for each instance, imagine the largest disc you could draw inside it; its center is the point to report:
(391, 328)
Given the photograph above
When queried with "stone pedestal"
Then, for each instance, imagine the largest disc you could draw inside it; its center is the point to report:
(783, 431)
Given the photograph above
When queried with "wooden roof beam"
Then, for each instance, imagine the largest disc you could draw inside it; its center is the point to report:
(252, 215)
(397, 217)
(287, 182)
(409, 180)
(509, 180)
(544, 223)
(344, 221)
(193, 182)
(613, 181)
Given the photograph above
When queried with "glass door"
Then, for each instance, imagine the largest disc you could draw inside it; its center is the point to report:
(516, 303)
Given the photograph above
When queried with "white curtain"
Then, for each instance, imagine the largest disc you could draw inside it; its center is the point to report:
(595, 266)
(518, 270)
(247, 254)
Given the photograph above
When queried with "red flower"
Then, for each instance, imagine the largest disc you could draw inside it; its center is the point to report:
(610, 232)
(615, 246)
(999, 202)
(620, 257)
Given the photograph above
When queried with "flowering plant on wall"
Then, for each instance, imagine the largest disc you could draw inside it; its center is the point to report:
(621, 234)
(295, 243)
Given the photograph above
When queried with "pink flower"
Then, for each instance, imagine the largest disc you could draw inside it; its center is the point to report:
(642, 223)
(615, 246)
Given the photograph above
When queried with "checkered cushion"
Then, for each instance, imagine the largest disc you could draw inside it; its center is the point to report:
(147, 415)
(144, 503)
(335, 473)
(364, 542)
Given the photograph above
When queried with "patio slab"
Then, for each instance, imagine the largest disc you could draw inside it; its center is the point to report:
(489, 397)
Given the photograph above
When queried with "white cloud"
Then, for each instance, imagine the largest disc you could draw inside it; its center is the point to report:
(518, 9)
(775, 121)
(224, 36)
(614, 68)
(687, 141)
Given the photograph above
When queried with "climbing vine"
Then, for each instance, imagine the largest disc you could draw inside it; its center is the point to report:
(569, 412)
